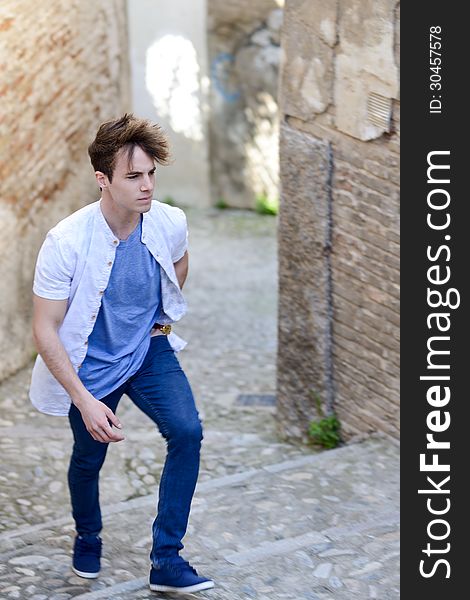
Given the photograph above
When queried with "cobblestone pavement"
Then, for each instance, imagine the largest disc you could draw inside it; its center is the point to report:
(270, 520)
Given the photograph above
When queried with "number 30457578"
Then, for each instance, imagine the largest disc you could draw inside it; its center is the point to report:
(435, 57)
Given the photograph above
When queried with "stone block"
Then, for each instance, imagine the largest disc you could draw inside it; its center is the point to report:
(303, 353)
(310, 30)
(239, 12)
(366, 73)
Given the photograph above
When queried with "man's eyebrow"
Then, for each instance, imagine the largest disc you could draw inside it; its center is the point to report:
(139, 172)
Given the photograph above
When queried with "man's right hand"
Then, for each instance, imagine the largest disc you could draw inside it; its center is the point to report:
(48, 315)
(99, 420)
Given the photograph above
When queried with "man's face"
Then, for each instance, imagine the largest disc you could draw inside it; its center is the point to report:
(131, 189)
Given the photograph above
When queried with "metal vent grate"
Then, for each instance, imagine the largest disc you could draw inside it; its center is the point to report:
(256, 400)
(379, 110)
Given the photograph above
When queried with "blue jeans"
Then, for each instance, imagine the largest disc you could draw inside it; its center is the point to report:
(161, 390)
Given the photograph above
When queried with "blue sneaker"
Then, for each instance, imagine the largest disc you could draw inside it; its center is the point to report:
(178, 576)
(86, 556)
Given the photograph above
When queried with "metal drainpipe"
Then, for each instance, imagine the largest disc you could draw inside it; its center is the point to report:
(330, 390)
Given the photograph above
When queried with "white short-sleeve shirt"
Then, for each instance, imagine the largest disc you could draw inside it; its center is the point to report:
(74, 264)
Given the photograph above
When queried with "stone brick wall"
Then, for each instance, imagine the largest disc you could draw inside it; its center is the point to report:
(63, 70)
(339, 218)
(244, 57)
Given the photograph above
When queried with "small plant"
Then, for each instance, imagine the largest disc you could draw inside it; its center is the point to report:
(169, 200)
(324, 431)
(221, 203)
(266, 206)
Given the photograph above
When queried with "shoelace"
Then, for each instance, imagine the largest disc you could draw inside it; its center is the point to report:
(186, 564)
(84, 547)
(181, 565)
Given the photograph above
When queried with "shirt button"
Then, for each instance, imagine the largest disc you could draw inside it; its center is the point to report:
(86, 342)
(110, 263)
(79, 367)
(93, 317)
(115, 242)
(101, 292)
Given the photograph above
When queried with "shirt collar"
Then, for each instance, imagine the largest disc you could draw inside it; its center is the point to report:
(105, 228)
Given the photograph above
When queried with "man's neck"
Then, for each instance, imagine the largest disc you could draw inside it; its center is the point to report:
(122, 223)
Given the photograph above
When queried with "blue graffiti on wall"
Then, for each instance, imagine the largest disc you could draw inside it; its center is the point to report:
(220, 71)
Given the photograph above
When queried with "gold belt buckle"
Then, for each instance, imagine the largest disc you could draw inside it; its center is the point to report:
(165, 329)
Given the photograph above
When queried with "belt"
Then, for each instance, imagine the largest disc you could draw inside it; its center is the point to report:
(165, 329)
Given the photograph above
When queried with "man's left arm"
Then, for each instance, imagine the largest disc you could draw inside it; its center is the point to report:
(181, 269)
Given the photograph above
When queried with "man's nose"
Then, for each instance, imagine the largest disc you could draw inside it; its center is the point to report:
(146, 185)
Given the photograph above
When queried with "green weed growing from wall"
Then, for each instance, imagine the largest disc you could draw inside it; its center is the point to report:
(325, 430)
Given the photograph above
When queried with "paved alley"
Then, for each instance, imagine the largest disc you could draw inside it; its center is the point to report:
(270, 520)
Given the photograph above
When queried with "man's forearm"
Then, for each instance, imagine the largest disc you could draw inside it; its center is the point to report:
(98, 418)
(57, 361)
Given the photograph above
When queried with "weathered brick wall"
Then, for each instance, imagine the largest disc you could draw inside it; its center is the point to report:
(339, 219)
(365, 267)
(63, 70)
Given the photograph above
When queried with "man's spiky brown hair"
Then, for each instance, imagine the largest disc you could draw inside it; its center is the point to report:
(127, 132)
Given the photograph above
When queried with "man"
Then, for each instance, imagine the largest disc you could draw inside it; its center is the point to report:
(107, 287)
